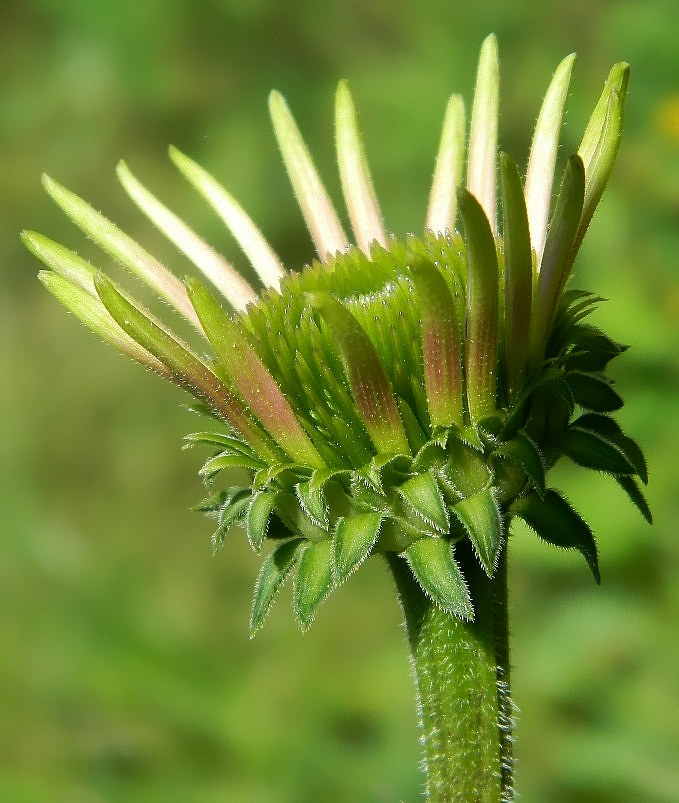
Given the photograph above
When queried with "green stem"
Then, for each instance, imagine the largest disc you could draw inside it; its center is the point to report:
(462, 678)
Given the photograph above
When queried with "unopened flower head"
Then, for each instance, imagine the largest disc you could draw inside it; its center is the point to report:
(399, 396)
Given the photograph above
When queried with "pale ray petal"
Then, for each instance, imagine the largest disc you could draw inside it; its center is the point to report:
(87, 306)
(442, 207)
(482, 157)
(357, 187)
(61, 260)
(263, 259)
(542, 159)
(81, 275)
(123, 249)
(220, 272)
(319, 214)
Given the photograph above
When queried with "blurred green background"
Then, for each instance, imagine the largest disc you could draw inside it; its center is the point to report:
(126, 673)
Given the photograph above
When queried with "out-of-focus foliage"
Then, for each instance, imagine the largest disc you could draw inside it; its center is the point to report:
(125, 669)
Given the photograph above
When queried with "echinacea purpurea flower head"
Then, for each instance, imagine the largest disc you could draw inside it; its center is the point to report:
(394, 396)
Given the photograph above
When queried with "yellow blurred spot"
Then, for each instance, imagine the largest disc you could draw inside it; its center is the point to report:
(671, 305)
(666, 117)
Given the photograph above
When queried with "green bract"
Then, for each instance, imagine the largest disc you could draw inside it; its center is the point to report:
(392, 397)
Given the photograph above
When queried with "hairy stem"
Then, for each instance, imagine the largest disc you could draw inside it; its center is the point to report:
(462, 679)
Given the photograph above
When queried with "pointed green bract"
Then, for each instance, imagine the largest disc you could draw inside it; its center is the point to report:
(221, 440)
(482, 519)
(593, 392)
(631, 488)
(313, 581)
(283, 473)
(434, 567)
(216, 464)
(592, 349)
(423, 496)
(465, 470)
(275, 570)
(609, 429)
(294, 517)
(312, 499)
(525, 453)
(591, 450)
(384, 470)
(232, 511)
(555, 521)
(259, 513)
(354, 538)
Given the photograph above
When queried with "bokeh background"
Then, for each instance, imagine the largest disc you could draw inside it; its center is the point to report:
(126, 673)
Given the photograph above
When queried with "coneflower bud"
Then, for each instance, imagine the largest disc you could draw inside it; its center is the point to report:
(397, 397)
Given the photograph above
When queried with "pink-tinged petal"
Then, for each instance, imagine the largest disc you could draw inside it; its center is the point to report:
(123, 249)
(262, 257)
(222, 274)
(442, 207)
(482, 308)
(482, 157)
(441, 346)
(317, 208)
(186, 368)
(359, 193)
(540, 172)
(252, 378)
(365, 374)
